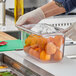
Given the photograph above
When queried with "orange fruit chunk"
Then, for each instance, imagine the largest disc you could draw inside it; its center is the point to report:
(27, 48)
(28, 41)
(34, 46)
(34, 40)
(31, 51)
(44, 56)
(42, 42)
(58, 40)
(38, 49)
(50, 48)
(34, 53)
(58, 55)
(50, 39)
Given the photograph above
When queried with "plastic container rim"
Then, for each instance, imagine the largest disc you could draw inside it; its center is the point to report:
(33, 32)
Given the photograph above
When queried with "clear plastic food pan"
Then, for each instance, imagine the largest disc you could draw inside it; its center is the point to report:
(44, 42)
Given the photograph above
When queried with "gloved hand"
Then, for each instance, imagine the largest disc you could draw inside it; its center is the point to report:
(32, 17)
(71, 32)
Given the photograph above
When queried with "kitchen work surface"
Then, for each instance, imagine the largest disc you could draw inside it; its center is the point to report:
(12, 45)
(4, 36)
(12, 42)
(66, 67)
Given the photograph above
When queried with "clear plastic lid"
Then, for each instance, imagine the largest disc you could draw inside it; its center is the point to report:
(40, 29)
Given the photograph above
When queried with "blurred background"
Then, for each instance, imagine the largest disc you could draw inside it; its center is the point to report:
(30, 5)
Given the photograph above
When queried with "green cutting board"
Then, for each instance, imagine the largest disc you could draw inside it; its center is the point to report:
(12, 45)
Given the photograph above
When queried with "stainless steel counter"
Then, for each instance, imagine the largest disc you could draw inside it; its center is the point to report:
(21, 66)
(66, 67)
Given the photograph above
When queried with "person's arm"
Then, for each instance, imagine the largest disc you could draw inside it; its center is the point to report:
(58, 6)
(69, 5)
(33, 17)
(53, 8)
(50, 9)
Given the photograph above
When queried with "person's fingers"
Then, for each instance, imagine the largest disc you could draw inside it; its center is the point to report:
(25, 19)
(20, 18)
(21, 21)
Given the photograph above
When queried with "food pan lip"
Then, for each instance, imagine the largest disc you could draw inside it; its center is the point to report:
(21, 27)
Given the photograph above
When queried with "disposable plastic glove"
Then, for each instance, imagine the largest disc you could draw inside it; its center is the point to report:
(71, 32)
(32, 17)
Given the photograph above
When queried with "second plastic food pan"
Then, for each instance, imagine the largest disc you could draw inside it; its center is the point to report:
(44, 42)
